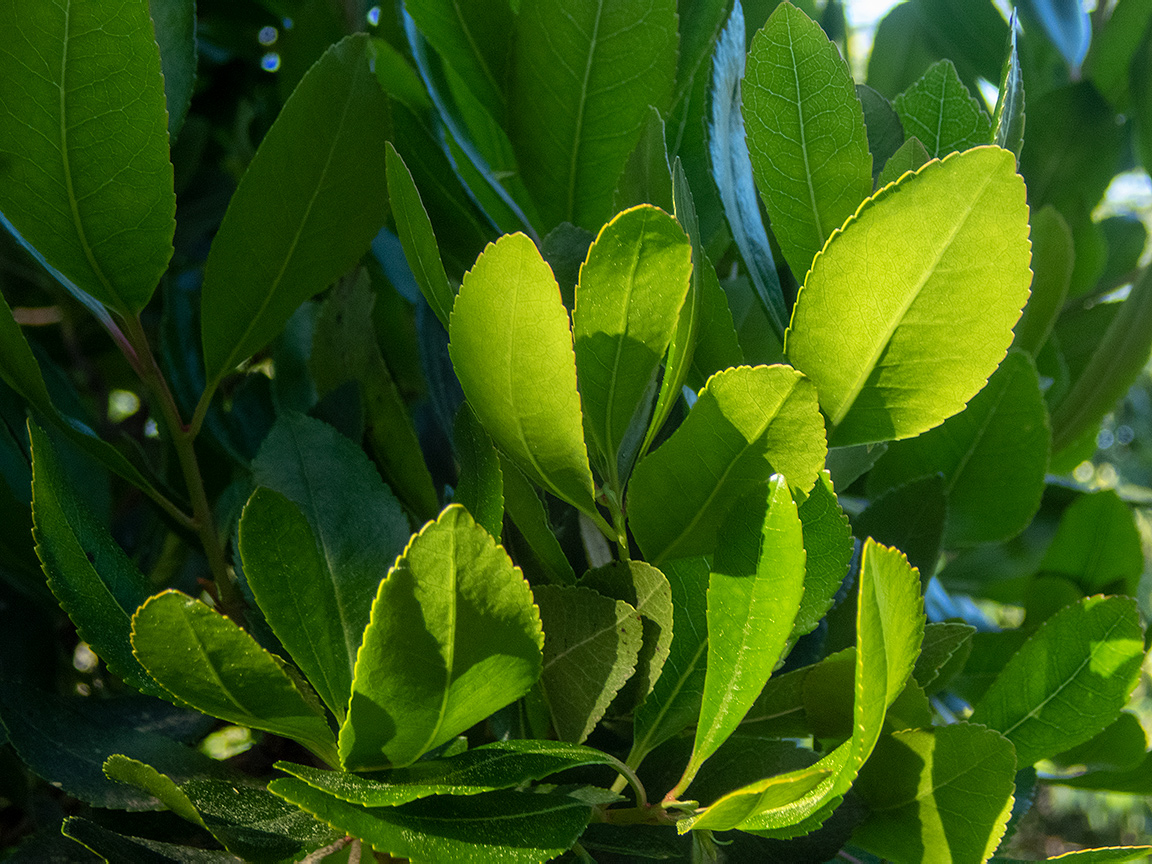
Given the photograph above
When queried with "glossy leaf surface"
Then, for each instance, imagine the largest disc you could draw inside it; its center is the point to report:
(805, 134)
(748, 424)
(512, 351)
(306, 209)
(208, 662)
(84, 170)
(941, 113)
(454, 636)
(940, 259)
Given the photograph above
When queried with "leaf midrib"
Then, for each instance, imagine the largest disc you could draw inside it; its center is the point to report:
(803, 140)
(448, 645)
(570, 204)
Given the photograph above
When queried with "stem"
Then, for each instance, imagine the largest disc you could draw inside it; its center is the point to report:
(182, 435)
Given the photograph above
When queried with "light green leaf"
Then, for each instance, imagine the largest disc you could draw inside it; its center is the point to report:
(1105, 855)
(939, 110)
(480, 487)
(94, 581)
(512, 351)
(527, 513)
(748, 424)
(1008, 118)
(674, 703)
(306, 209)
(993, 456)
(762, 796)
(956, 281)
(1097, 544)
(910, 156)
(628, 302)
(208, 662)
(175, 25)
(1052, 259)
(937, 794)
(1068, 681)
(805, 134)
(583, 77)
(828, 550)
(84, 170)
(506, 827)
(591, 645)
(501, 765)
(417, 237)
(133, 772)
(454, 636)
(754, 593)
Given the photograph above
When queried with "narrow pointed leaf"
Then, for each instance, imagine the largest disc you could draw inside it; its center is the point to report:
(805, 133)
(527, 513)
(501, 765)
(512, 351)
(417, 237)
(647, 176)
(828, 551)
(956, 281)
(590, 648)
(1008, 118)
(1052, 262)
(583, 77)
(939, 792)
(175, 25)
(480, 487)
(748, 424)
(454, 636)
(206, 661)
(732, 170)
(628, 302)
(993, 457)
(910, 156)
(323, 164)
(85, 176)
(505, 827)
(1068, 681)
(885, 131)
(123, 849)
(754, 593)
(939, 110)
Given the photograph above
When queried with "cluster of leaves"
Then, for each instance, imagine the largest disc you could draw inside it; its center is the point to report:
(533, 517)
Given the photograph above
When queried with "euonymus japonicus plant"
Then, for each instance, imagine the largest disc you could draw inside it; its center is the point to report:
(528, 492)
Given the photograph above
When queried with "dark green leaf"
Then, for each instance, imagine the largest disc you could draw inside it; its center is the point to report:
(1052, 256)
(882, 123)
(941, 113)
(911, 518)
(527, 513)
(591, 645)
(306, 209)
(175, 25)
(583, 77)
(1109, 61)
(647, 176)
(1122, 746)
(1097, 544)
(121, 849)
(910, 156)
(943, 653)
(85, 176)
(1008, 118)
(453, 637)
(1068, 681)
(805, 133)
(480, 487)
(901, 51)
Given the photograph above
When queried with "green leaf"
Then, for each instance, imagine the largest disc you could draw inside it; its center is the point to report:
(1114, 365)
(512, 351)
(306, 209)
(941, 113)
(583, 77)
(480, 486)
(1122, 746)
(628, 302)
(1008, 118)
(754, 593)
(454, 636)
(1068, 681)
(909, 156)
(506, 827)
(1052, 259)
(1097, 544)
(946, 648)
(205, 660)
(94, 581)
(993, 456)
(175, 25)
(84, 171)
(501, 765)
(944, 793)
(805, 133)
(882, 124)
(952, 287)
(674, 703)
(121, 849)
(773, 793)
(66, 742)
(591, 645)
(527, 513)
(356, 524)
(910, 518)
(748, 424)
(133, 772)
(647, 176)
(417, 237)
(1104, 855)
(828, 550)
(345, 348)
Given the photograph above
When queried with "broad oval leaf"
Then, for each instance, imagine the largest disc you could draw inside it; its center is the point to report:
(84, 170)
(748, 424)
(454, 636)
(584, 74)
(628, 300)
(941, 113)
(805, 134)
(208, 662)
(1097, 544)
(512, 351)
(307, 208)
(940, 260)
(1069, 680)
